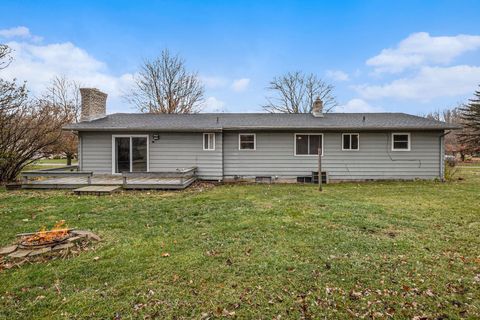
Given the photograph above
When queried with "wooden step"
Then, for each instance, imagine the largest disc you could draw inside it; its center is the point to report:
(97, 190)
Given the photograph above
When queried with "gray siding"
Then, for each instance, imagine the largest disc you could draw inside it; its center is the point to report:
(274, 156)
(171, 151)
(180, 150)
(96, 152)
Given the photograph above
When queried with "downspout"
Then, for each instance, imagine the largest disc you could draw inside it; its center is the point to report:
(223, 155)
(441, 146)
(80, 151)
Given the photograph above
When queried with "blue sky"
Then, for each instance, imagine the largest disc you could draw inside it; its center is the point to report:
(406, 56)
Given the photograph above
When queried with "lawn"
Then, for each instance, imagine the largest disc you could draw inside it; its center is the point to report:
(380, 249)
(48, 164)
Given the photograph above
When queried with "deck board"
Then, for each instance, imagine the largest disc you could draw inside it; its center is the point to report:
(108, 180)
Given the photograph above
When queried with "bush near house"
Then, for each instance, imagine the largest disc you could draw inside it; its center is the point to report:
(382, 249)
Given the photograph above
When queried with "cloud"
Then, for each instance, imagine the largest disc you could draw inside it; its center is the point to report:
(357, 105)
(214, 82)
(18, 32)
(212, 104)
(240, 85)
(420, 49)
(39, 64)
(427, 84)
(337, 75)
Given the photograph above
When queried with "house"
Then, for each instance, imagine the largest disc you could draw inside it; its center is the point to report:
(282, 147)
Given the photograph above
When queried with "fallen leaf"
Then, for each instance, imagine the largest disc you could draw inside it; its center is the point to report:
(96, 258)
(165, 254)
(227, 313)
(354, 295)
(477, 278)
(429, 293)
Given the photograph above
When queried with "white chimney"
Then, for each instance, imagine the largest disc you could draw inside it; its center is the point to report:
(317, 108)
(94, 104)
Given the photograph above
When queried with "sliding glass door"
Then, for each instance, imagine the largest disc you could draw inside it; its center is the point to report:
(130, 154)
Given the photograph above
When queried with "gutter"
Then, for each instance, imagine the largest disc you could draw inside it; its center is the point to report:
(260, 128)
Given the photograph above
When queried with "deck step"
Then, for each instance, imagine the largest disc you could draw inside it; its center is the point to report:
(97, 190)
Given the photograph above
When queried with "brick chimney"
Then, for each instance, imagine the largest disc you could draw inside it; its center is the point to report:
(317, 108)
(94, 104)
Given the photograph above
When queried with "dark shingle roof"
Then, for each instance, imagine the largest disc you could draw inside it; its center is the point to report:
(258, 121)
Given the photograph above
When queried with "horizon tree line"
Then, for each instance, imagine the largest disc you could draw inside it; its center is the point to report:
(31, 127)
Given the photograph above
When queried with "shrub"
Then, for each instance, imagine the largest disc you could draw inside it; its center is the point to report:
(451, 170)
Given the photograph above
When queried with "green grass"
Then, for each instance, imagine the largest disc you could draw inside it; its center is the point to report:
(48, 164)
(55, 161)
(402, 249)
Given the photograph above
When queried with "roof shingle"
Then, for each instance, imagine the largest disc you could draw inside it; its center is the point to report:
(258, 121)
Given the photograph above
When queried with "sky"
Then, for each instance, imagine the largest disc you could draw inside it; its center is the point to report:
(381, 56)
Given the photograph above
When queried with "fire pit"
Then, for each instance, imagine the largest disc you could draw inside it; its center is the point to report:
(59, 239)
(45, 238)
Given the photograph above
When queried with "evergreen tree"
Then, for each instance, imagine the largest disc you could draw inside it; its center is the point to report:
(470, 135)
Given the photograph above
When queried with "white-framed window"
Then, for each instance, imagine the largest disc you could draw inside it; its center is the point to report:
(350, 141)
(247, 141)
(209, 141)
(401, 141)
(307, 144)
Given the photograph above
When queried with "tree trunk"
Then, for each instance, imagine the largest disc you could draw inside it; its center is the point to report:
(69, 159)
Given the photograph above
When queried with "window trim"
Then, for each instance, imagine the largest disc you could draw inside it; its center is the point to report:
(351, 133)
(409, 141)
(129, 136)
(203, 141)
(254, 141)
(310, 134)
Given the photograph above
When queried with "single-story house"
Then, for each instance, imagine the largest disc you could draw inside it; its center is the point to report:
(283, 147)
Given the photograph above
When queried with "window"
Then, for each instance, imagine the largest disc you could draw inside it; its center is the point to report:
(209, 141)
(308, 144)
(350, 141)
(400, 141)
(246, 141)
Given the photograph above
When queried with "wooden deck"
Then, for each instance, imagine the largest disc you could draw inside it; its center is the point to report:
(81, 179)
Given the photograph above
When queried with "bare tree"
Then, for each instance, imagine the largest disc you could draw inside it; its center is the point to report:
(163, 85)
(295, 92)
(5, 57)
(453, 144)
(27, 128)
(64, 95)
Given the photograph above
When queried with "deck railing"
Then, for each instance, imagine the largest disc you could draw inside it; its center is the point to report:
(182, 174)
(58, 177)
(66, 171)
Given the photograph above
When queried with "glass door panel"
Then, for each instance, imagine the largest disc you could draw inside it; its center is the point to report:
(139, 154)
(122, 154)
